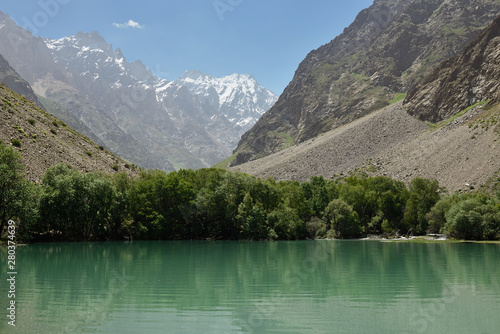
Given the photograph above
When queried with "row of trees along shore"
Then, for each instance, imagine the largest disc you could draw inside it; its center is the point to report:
(221, 205)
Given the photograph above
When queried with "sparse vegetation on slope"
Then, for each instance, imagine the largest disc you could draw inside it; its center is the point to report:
(45, 141)
(461, 82)
(392, 143)
(387, 50)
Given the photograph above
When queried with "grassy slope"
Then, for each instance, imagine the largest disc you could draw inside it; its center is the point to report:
(45, 141)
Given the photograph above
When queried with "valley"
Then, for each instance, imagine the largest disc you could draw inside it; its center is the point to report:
(462, 155)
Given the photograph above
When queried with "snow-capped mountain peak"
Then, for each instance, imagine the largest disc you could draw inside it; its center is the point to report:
(193, 122)
(238, 96)
(89, 54)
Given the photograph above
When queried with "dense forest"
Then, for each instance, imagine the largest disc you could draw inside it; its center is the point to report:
(221, 205)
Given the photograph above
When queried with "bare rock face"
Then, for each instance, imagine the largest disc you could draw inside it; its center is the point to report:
(10, 78)
(126, 108)
(387, 50)
(462, 81)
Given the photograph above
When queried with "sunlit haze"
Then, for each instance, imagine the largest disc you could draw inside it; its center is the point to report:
(267, 39)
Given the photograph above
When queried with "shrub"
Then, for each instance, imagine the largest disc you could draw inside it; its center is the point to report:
(20, 130)
(16, 142)
(316, 228)
(473, 219)
(343, 220)
(32, 121)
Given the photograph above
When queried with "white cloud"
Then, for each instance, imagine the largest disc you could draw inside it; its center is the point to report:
(129, 24)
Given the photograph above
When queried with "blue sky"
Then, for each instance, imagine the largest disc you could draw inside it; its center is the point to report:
(265, 38)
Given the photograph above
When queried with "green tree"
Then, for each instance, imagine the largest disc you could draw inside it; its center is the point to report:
(473, 218)
(491, 223)
(120, 222)
(252, 219)
(293, 196)
(375, 199)
(15, 191)
(316, 193)
(217, 202)
(76, 206)
(362, 200)
(463, 221)
(436, 218)
(423, 195)
(342, 220)
(286, 224)
(157, 201)
(267, 193)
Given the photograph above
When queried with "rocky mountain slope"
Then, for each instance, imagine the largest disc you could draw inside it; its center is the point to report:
(10, 78)
(462, 81)
(45, 141)
(386, 50)
(122, 105)
(462, 151)
(463, 154)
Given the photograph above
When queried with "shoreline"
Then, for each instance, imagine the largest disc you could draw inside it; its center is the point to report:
(431, 238)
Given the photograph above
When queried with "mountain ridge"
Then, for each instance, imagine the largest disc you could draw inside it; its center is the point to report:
(461, 150)
(149, 121)
(388, 48)
(10, 78)
(219, 94)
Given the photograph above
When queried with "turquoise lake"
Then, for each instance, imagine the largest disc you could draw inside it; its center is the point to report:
(324, 286)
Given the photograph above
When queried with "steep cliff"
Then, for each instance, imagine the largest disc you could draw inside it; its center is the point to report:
(386, 50)
(471, 77)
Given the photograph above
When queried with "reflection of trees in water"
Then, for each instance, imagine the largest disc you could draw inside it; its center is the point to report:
(75, 286)
(80, 285)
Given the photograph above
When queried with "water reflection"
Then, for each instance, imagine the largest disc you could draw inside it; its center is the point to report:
(239, 287)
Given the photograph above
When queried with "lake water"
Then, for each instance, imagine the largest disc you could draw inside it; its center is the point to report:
(254, 287)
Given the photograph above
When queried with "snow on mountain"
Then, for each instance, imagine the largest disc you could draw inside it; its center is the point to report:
(237, 97)
(151, 122)
(90, 55)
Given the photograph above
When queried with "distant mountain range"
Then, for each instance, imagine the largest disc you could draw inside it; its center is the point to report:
(237, 97)
(193, 122)
(409, 89)
(43, 139)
